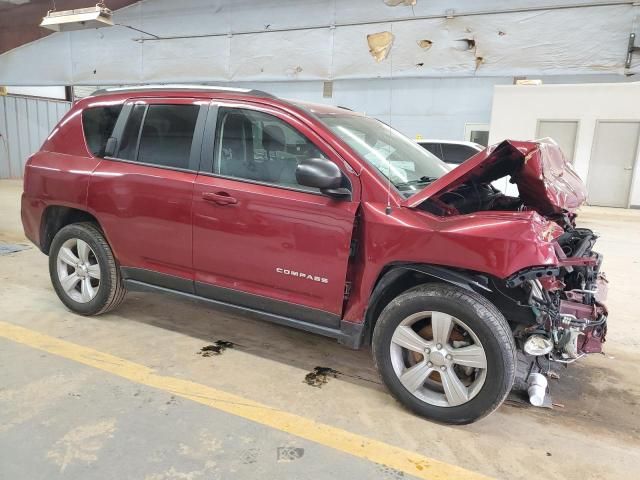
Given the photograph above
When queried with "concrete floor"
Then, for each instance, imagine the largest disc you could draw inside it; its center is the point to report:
(59, 419)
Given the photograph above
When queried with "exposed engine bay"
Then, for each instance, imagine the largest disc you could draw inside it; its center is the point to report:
(473, 197)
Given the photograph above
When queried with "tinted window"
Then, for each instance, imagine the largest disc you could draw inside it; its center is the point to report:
(166, 136)
(257, 146)
(98, 123)
(453, 153)
(129, 141)
(433, 148)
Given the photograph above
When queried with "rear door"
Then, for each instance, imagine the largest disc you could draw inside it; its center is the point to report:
(143, 195)
(260, 239)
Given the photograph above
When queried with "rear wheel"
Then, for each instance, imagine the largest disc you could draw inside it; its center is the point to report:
(445, 353)
(83, 270)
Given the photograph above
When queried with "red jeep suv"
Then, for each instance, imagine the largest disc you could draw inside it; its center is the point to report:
(321, 218)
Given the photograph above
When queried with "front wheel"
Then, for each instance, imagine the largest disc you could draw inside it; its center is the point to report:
(445, 353)
(83, 270)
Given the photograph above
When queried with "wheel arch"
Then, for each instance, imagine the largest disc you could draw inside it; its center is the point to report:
(397, 278)
(56, 217)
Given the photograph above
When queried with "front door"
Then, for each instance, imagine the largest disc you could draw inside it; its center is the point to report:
(613, 158)
(260, 239)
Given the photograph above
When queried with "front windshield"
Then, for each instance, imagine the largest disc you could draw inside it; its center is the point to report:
(406, 164)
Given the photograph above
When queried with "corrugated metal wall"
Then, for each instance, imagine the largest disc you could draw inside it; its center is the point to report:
(25, 122)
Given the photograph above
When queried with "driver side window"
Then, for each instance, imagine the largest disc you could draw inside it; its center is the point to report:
(260, 147)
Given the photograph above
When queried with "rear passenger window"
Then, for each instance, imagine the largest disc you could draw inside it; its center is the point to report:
(165, 138)
(98, 123)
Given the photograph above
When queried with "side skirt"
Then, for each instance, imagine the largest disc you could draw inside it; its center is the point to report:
(349, 334)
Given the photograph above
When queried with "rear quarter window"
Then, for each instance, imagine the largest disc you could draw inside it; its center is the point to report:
(97, 124)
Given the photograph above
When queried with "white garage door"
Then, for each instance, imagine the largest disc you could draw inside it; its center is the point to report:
(613, 157)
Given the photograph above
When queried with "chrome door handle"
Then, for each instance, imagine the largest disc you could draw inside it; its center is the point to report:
(221, 198)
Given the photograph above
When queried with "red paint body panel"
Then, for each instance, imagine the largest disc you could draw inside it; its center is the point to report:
(497, 243)
(241, 245)
(145, 213)
(53, 179)
(157, 218)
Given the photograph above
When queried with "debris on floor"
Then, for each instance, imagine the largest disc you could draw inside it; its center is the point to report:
(7, 248)
(520, 399)
(320, 375)
(216, 348)
(289, 454)
(389, 473)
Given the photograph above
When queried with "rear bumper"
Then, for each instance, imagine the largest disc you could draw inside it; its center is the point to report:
(31, 215)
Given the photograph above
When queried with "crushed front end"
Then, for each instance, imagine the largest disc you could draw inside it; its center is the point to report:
(566, 300)
(556, 310)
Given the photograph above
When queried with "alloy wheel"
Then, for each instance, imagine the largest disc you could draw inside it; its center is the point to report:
(78, 270)
(438, 358)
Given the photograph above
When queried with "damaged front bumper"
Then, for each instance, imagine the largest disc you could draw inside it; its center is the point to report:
(567, 301)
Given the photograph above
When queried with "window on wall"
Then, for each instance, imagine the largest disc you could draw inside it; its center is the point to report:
(165, 137)
(477, 133)
(479, 136)
(97, 124)
(257, 146)
(564, 133)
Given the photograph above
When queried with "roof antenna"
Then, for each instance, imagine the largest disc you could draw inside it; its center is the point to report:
(387, 210)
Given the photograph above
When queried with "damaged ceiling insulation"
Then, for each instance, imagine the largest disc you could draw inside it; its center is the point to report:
(395, 3)
(228, 41)
(380, 44)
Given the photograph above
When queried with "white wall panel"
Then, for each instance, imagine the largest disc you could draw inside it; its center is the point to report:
(251, 15)
(174, 18)
(289, 55)
(174, 61)
(517, 109)
(44, 62)
(372, 10)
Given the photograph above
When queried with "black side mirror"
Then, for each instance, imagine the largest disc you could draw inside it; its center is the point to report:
(110, 147)
(323, 174)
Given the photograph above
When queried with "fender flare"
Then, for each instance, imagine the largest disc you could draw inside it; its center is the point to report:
(464, 280)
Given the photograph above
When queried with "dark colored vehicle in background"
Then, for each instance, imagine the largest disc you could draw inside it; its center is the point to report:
(451, 151)
(323, 219)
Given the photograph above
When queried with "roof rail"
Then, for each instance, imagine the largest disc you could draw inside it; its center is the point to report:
(181, 87)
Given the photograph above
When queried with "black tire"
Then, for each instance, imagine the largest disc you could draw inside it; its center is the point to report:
(481, 316)
(111, 291)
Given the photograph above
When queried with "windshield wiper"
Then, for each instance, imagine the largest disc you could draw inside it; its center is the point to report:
(417, 181)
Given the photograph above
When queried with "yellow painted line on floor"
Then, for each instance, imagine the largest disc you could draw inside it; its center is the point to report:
(357, 445)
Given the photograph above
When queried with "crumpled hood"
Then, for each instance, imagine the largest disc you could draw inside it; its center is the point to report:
(545, 180)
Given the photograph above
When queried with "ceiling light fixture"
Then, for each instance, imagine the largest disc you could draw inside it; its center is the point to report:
(78, 19)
